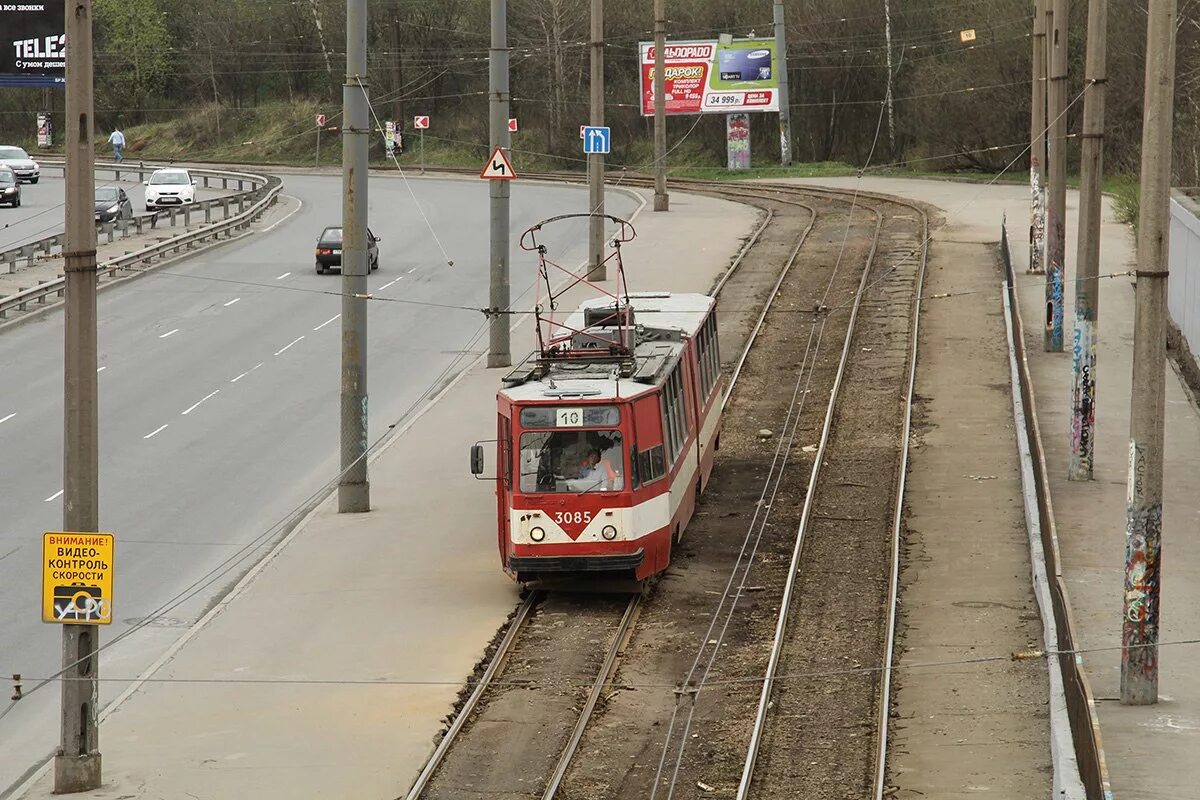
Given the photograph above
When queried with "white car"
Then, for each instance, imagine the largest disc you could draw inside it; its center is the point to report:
(24, 167)
(169, 187)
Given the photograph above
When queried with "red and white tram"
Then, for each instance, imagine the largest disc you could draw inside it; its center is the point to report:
(606, 438)
(606, 433)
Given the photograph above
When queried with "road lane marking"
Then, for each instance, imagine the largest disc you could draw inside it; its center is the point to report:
(322, 325)
(98, 371)
(284, 275)
(231, 302)
(276, 224)
(54, 496)
(289, 344)
(389, 283)
(194, 406)
(155, 432)
(10, 416)
(169, 333)
(411, 271)
(247, 372)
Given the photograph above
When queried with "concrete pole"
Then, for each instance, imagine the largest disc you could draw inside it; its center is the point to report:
(887, 31)
(785, 111)
(354, 491)
(1056, 218)
(1143, 526)
(1037, 138)
(1087, 259)
(499, 351)
(397, 71)
(662, 201)
(598, 271)
(77, 762)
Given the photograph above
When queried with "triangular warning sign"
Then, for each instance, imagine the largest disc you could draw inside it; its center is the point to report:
(498, 167)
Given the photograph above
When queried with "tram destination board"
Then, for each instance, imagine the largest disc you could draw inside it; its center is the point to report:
(77, 577)
(33, 44)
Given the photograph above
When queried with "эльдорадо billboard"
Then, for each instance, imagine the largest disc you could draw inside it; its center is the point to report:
(707, 77)
(33, 47)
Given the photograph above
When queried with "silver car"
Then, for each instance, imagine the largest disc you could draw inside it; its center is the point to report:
(16, 159)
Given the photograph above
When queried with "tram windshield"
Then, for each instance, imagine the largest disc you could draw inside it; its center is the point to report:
(571, 462)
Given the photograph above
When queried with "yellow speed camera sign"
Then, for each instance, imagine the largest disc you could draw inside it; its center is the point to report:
(77, 577)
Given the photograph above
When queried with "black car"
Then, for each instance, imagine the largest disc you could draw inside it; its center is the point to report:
(112, 203)
(10, 187)
(329, 250)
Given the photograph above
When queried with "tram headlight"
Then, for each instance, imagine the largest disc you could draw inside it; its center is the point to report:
(608, 532)
(537, 534)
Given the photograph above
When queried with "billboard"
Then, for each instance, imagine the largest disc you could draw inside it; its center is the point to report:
(707, 77)
(33, 46)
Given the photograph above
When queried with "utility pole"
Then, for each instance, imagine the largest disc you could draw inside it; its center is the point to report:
(499, 354)
(1143, 525)
(354, 491)
(662, 201)
(1056, 218)
(397, 74)
(77, 762)
(1087, 259)
(887, 33)
(598, 270)
(1037, 138)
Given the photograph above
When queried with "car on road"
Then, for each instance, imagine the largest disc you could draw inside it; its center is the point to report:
(172, 186)
(329, 250)
(10, 187)
(16, 159)
(112, 203)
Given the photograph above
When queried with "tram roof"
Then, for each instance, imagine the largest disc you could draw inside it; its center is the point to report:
(658, 310)
(662, 319)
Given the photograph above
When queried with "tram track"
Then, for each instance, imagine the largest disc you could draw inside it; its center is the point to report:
(603, 757)
(532, 768)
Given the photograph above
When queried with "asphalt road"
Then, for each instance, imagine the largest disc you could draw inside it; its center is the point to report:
(41, 212)
(219, 400)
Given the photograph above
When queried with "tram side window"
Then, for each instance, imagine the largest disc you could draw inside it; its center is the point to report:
(675, 428)
(651, 465)
(708, 354)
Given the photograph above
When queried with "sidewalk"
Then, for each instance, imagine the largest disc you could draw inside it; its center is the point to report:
(1150, 750)
(330, 669)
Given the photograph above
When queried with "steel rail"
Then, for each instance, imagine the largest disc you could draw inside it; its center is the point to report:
(762, 316)
(785, 603)
(498, 659)
(607, 670)
(885, 690)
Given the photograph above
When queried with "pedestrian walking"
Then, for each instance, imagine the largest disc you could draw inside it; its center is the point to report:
(117, 140)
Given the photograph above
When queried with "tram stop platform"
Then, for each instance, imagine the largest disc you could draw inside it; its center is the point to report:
(330, 668)
(1149, 750)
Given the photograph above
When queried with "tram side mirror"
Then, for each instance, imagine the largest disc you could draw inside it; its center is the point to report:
(477, 459)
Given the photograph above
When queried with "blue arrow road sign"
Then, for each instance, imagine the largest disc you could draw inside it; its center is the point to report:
(597, 140)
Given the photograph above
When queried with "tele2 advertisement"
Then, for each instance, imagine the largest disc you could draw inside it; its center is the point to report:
(33, 47)
(707, 77)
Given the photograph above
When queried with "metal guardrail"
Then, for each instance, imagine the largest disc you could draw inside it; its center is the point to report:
(30, 252)
(261, 198)
(1081, 703)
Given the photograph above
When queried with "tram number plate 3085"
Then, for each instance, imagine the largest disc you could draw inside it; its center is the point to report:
(568, 418)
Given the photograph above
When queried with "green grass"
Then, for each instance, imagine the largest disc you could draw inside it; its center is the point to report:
(1126, 191)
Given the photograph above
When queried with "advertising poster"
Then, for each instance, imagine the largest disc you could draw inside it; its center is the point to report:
(33, 46)
(706, 77)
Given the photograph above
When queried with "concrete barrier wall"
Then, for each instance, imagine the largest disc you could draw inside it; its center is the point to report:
(1183, 291)
(1081, 703)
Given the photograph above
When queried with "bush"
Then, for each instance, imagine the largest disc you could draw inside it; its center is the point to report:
(1126, 191)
